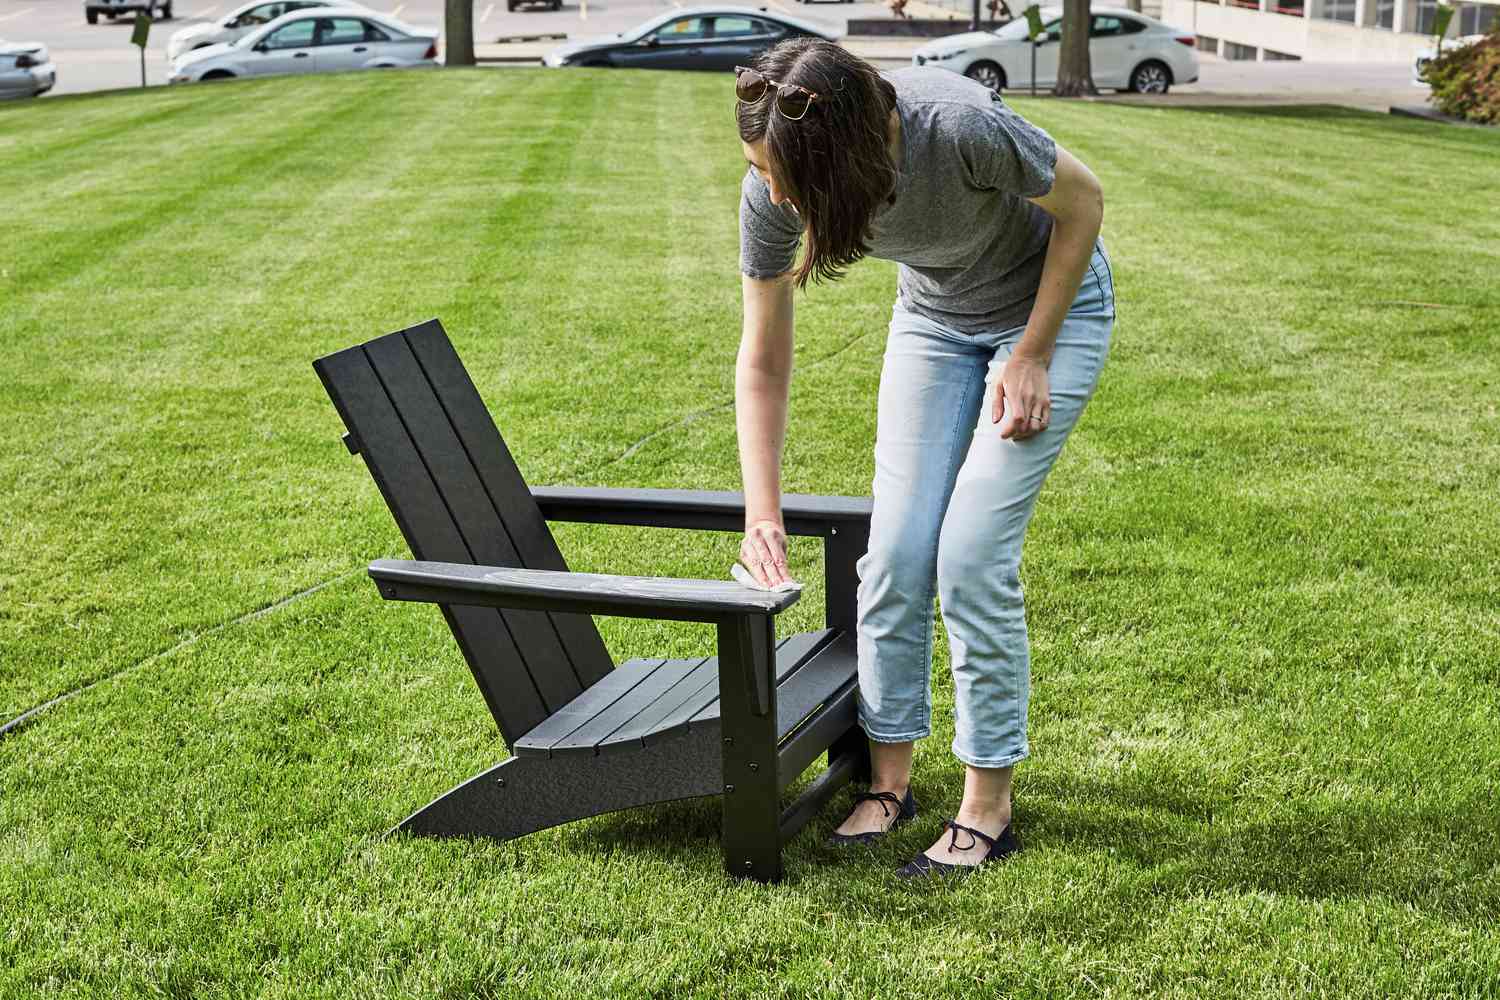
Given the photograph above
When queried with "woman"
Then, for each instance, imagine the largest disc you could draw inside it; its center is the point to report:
(1003, 317)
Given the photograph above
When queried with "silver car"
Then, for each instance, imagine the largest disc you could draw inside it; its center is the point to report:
(25, 69)
(238, 23)
(316, 40)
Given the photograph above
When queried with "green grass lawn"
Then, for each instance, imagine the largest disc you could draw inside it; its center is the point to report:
(1261, 579)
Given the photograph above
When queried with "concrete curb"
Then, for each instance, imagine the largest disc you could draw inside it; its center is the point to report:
(1434, 115)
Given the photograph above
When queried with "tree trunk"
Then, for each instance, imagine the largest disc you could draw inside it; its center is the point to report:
(1074, 77)
(458, 28)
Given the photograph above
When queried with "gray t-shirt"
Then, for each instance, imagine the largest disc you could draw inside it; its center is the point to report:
(969, 244)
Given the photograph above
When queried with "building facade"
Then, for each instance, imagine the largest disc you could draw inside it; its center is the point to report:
(1323, 30)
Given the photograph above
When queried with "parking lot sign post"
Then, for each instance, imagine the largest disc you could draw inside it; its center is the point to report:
(1033, 32)
(1440, 19)
(138, 37)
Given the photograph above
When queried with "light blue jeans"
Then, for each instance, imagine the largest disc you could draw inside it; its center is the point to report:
(952, 500)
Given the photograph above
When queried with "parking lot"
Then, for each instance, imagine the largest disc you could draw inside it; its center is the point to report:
(100, 57)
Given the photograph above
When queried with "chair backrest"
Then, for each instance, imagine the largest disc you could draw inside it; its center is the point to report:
(415, 417)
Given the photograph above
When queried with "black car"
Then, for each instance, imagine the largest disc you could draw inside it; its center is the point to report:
(714, 38)
(160, 10)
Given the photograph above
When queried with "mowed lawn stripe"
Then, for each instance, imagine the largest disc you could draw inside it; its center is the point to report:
(1229, 176)
(190, 361)
(242, 163)
(87, 124)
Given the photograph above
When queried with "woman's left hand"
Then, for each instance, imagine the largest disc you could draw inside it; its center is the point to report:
(1022, 385)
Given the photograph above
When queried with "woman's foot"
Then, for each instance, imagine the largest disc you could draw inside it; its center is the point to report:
(957, 847)
(875, 812)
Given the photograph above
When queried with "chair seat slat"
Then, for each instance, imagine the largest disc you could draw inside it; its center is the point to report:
(566, 720)
(645, 701)
(791, 653)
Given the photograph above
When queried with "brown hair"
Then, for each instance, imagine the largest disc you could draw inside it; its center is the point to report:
(835, 162)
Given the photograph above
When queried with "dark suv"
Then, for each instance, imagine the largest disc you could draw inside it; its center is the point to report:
(119, 8)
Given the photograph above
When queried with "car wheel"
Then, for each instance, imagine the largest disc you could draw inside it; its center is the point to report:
(1151, 78)
(92, 15)
(988, 73)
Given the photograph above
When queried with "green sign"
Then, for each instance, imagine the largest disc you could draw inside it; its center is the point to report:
(1440, 19)
(1033, 22)
(142, 29)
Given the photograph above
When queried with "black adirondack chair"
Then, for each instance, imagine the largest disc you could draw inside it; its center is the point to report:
(588, 737)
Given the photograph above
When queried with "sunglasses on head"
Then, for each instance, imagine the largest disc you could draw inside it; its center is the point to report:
(750, 85)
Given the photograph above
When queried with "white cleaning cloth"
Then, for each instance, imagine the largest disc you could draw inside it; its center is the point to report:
(744, 576)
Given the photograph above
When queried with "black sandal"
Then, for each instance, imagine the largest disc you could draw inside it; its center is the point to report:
(1001, 846)
(906, 809)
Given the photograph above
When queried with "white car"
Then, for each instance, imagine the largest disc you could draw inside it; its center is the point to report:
(315, 40)
(238, 23)
(25, 69)
(1425, 56)
(1127, 51)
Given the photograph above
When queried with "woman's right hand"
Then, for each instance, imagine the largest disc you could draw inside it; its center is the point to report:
(764, 552)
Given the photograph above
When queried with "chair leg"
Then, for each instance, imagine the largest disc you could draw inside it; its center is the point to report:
(853, 742)
(525, 794)
(747, 713)
(842, 549)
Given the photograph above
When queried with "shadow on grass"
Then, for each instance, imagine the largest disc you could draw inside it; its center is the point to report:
(1437, 862)
(1315, 847)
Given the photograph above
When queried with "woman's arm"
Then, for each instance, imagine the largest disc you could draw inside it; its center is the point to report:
(762, 384)
(1076, 204)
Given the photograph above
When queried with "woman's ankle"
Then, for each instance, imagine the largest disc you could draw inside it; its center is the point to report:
(895, 785)
(890, 767)
(990, 817)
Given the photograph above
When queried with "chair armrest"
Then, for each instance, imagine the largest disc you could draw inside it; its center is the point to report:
(556, 590)
(712, 510)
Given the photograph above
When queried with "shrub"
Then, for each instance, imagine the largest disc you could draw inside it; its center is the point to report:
(1466, 79)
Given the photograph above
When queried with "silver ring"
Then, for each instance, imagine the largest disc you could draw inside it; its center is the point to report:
(1037, 419)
